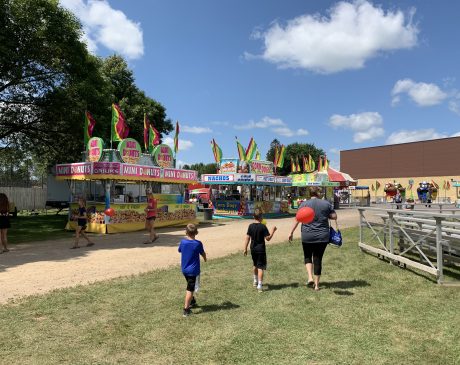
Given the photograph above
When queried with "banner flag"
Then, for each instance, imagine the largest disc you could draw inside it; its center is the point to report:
(88, 128)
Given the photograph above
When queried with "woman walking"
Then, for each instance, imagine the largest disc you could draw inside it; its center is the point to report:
(315, 235)
(82, 221)
(4, 221)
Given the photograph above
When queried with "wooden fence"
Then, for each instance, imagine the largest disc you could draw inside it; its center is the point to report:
(26, 198)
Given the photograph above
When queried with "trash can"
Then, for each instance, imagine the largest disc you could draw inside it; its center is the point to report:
(208, 214)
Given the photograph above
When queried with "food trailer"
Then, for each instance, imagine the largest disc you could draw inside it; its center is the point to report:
(118, 178)
(242, 186)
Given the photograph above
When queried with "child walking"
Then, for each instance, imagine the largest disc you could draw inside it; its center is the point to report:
(190, 250)
(257, 233)
(81, 224)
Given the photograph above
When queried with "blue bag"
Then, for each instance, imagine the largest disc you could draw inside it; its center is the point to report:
(335, 237)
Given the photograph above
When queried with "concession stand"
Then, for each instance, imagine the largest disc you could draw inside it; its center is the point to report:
(118, 178)
(330, 180)
(242, 186)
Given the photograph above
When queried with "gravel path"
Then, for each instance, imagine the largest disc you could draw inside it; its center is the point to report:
(36, 268)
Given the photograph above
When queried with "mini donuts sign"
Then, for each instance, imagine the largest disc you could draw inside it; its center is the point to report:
(130, 150)
(163, 156)
(95, 146)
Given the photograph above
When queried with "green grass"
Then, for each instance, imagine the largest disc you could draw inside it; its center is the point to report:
(37, 228)
(368, 312)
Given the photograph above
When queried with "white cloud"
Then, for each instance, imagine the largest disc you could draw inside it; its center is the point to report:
(183, 143)
(107, 26)
(277, 126)
(265, 122)
(221, 123)
(420, 92)
(367, 126)
(405, 136)
(345, 39)
(195, 130)
(454, 103)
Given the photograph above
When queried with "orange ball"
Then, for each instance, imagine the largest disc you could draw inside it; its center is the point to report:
(305, 215)
(110, 212)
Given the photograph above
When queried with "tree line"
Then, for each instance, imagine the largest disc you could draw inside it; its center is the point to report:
(47, 81)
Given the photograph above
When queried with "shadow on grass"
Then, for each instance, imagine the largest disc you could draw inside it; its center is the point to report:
(216, 307)
(345, 284)
(272, 287)
(343, 292)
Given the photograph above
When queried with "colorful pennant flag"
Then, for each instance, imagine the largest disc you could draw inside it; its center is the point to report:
(119, 128)
(217, 151)
(176, 138)
(372, 187)
(251, 150)
(281, 154)
(435, 185)
(154, 137)
(146, 132)
(241, 151)
(258, 154)
(276, 157)
(293, 166)
(448, 185)
(88, 127)
(297, 165)
(311, 163)
(377, 186)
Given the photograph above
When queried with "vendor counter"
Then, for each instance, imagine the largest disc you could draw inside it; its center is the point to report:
(245, 209)
(131, 217)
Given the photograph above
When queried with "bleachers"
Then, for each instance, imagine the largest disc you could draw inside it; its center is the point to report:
(421, 239)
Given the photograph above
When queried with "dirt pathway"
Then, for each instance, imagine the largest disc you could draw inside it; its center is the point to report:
(44, 266)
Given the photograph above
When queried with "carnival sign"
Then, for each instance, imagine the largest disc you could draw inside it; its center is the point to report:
(228, 166)
(245, 178)
(141, 171)
(73, 169)
(283, 180)
(183, 175)
(130, 150)
(265, 178)
(163, 155)
(216, 178)
(95, 146)
(261, 167)
(106, 168)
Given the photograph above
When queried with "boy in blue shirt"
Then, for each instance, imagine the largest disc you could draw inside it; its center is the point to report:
(190, 250)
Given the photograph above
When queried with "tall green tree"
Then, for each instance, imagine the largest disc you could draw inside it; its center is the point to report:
(294, 150)
(133, 101)
(210, 168)
(43, 67)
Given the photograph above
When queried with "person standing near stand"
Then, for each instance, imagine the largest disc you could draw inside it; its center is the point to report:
(151, 215)
(4, 221)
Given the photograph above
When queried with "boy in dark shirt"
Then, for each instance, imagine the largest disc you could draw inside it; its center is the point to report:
(257, 233)
(190, 250)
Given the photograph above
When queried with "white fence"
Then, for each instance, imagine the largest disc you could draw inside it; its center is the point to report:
(26, 198)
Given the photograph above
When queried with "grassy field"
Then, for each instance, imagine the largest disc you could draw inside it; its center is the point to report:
(37, 228)
(367, 312)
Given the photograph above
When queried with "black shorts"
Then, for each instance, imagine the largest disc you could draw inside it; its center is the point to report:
(191, 281)
(259, 259)
(151, 218)
(4, 222)
(82, 223)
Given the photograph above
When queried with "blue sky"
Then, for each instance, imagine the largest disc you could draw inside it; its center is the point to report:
(341, 75)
